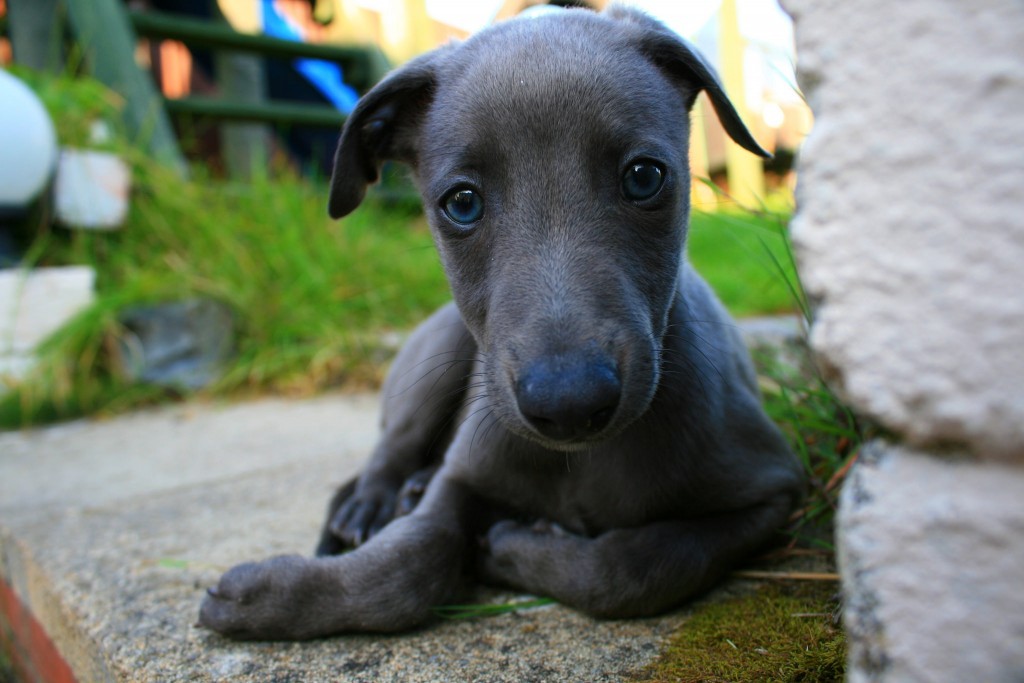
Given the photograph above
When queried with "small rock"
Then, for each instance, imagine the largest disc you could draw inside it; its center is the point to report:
(92, 189)
(182, 345)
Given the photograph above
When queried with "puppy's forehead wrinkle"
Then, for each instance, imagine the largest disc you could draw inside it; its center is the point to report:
(543, 77)
(485, 129)
(553, 90)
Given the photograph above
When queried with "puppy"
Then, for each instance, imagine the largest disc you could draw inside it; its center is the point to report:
(584, 421)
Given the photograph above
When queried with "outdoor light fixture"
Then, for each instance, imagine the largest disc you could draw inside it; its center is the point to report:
(28, 154)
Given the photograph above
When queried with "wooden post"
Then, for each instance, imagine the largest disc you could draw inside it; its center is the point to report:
(745, 171)
(108, 42)
(35, 30)
(702, 197)
(245, 147)
(406, 29)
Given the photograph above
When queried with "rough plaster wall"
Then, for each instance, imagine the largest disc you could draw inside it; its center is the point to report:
(910, 231)
(932, 555)
(910, 239)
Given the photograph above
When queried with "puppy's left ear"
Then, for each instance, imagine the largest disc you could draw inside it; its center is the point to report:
(679, 58)
(384, 126)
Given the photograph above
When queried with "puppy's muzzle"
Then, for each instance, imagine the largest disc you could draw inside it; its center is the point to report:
(570, 396)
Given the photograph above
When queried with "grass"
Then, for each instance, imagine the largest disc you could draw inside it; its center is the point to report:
(477, 611)
(76, 104)
(746, 258)
(825, 435)
(310, 296)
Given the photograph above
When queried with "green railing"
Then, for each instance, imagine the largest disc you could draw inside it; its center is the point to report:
(363, 66)
(108, 32)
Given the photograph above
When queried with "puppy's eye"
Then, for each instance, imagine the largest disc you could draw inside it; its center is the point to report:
(463, 205)
(642, 180)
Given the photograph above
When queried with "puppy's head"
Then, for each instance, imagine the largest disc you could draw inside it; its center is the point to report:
(552, 156)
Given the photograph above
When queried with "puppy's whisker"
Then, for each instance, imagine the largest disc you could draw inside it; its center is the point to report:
(447, 365)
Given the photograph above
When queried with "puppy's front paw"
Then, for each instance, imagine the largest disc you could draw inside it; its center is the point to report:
(365, 513)
(262, 600)
(412, 491)
(514, 553)
(506, 535)
(374, 504)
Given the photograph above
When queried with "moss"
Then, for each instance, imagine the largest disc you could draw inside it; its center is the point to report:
(781, 633)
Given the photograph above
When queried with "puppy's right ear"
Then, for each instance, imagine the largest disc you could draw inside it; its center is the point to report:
(677, 56)
(384, 126)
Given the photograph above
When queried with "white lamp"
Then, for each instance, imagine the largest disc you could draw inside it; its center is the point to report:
(28, 145)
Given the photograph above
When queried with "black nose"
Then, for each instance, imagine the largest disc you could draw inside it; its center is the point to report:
(569, 396)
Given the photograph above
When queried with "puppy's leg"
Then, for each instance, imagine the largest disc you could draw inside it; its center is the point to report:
(424, 388)
(388, 584)
(628, 572)
(329, 543)
(408, 497)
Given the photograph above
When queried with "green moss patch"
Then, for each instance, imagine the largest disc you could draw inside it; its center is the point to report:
(781, 633)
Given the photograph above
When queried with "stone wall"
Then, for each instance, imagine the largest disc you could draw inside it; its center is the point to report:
(910, 240)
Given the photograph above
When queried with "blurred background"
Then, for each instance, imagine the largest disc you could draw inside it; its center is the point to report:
(163, 168)
(188, 49)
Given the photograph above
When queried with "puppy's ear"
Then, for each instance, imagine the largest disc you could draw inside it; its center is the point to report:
(681, 59)
(384, 126)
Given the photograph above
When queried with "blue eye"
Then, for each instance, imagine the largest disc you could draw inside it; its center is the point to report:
(463, 205)
(642, 180)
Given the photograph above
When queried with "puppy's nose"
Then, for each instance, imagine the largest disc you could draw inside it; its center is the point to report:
(569, 396)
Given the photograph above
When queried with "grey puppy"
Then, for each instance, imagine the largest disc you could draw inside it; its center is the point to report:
(587, 403)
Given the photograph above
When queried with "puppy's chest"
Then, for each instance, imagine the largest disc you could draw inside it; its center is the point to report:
(588, 495)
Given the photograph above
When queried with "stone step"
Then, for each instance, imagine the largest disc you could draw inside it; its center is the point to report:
(111, 530)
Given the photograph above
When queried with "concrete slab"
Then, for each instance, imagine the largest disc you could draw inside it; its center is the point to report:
(33, 305)
(110, 531)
